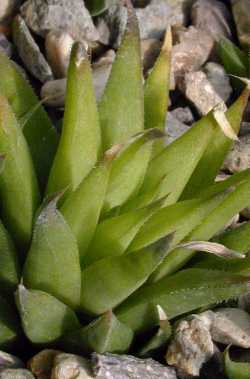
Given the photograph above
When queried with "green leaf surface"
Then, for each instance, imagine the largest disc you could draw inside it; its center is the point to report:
(234, 60)
(121, 107)
(97, 7)
(80, 141)
(108, 282)
(39, 132)
(236, 370)
(18, 185)
(9, 325)
(52, 264)
(44, 318)
(178, 294)
(103, 335)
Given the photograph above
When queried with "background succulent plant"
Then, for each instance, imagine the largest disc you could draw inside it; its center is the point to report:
(96, 261)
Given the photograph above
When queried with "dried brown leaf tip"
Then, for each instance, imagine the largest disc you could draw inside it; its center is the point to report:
(213, 248)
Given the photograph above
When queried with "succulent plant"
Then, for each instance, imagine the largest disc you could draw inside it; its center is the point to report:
(97, 7)
(94, 222)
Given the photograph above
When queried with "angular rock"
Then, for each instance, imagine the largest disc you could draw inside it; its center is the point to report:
(16, 374)
(5, 45)
(58, 47)
(183, 115)
(231, 326)
(7, 8)
(192, 52)
(68, 16)
(219, 79)
(9, 361)
(174, 128)
(42, 363)
(213, 17)
(198, 89)
(191, 346)
(110, 366)
(238, 158)
(29, 52)
(69, 366)
(241, 12)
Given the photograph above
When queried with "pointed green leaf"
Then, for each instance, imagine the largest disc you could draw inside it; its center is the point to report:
(108, 282)
(236, 370)
(44, 318)
(9, 267)
(121, 107)
(82, 207)
(178, 294)
(9, 325)
(52, 264)
(237, 239)
(216, 151)
(80, 142)
(103, 335)
(234, 60)
(129, 169)
(99, 6)
(18, 185)
(113, 235)
(39, 132)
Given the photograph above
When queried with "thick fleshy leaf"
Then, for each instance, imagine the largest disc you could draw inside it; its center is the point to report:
(234, 60)
(52, 263)
(108, 282)
(39, 132)
(9, 325)
(82, 207)
(44, 318)
(178, 294)
(80, 141)
(233, 203)
(113, 235)
(237, 239)
(103, 335)
(99, 6)
(216, 151)
(129, 169)
(9, 267)
(236, 370)
(18, 185)
(121, 107)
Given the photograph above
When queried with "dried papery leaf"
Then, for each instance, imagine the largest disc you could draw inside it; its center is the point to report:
(115, 278)
(235, 370)
(178, 294)
(80, 142)
(213, 248)
(234, 60)
(39, 132)
(220, 116)
(9, 325)
(105, 334)
(19, 191)
(44, 318)
(52, 264)
(121, 107)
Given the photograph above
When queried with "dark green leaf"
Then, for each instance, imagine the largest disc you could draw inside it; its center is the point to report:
(9, 325)
(236, 370)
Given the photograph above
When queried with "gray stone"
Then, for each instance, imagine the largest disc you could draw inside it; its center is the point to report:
(191, 345)
(53, 93)
(198, 89)
(16, 374)
(184, 115)
(69, 366)
(7, 8)
(213, 17)
(110, 366)
(191, 53)
(244, 302)
(174, 128)
(244, 128)
(69, 16)
(241, 12)
(5, 45)
(219, 79)
(9, 361)
(30, 53)
(42, 363)
(238, 158)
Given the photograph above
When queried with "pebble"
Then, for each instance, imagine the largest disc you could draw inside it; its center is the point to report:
(174, 128)
(213, 17)
(191, 345)
(198, 89)
(67, 16)
(16, 374)
(183, 115)
(53, 92)
(5, 46)
(7, 8)
(69, 366)
(9, 361)
(111, 366)
(241, 12)
(58, 47)
(238, 158)
(219, 79)
(42, 363)
(29, 51)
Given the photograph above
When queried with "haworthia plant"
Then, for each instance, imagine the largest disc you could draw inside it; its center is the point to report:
(94, 261)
